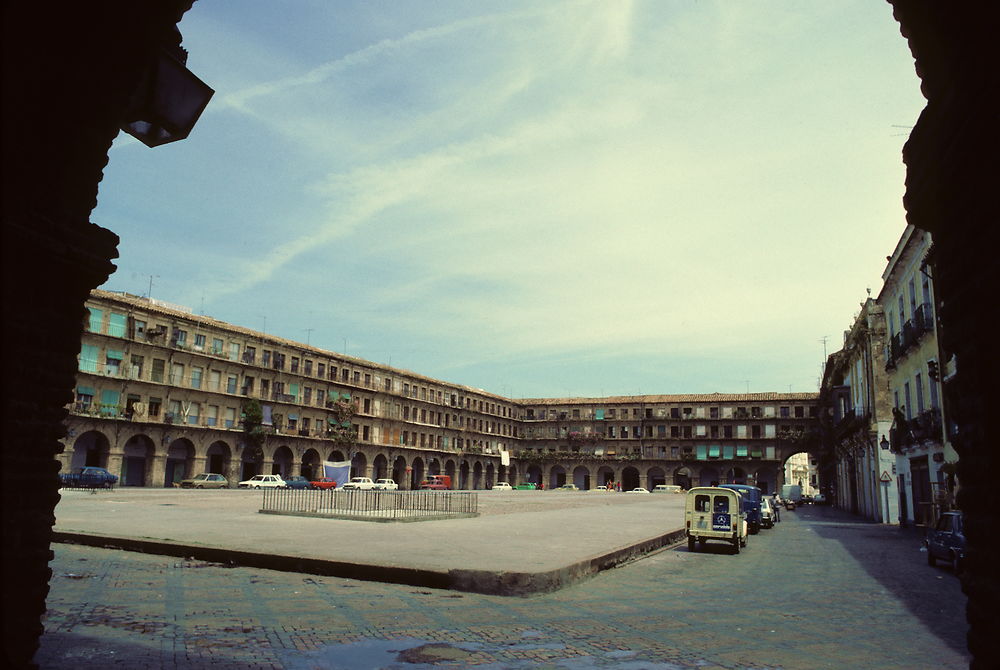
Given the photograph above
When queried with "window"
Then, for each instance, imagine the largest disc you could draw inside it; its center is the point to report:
(713, 413)
(234, 351)
(265, 357)
(196, 373)
(295, 364)
(321, 369)
(217, 346)
(784, 412)
(345, 374)
(231, 384)
(159, 366)
(88, 358)
(180, 336)
(211, 415)
(194, 413)
(918, 382)
(176, 373)
(84, 397)
(113, 362)
(199, 342)
(906, 400)
(96, 317)
(135, 367)
(230, 417)
(799, 412)
(139, 328)
(153, 407)
(308, 367)
(307, 394)
(250, 355)
(109, 402)
(117, 324)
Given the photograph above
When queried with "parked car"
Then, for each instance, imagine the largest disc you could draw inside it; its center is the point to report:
(751, 496)
(639, 489)
(567, 487)
(526, 486)
(88, 477)
(502, 486)
(386, 485)
(667, 488)
(359, 484)
(946, 541)
(297, 482)
(323, 483)
(819, 499)
(766, 513)
(715, 513)
(206, 480)
(263, 482)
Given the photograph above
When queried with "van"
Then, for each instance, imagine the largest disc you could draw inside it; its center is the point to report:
(751, 504)
(715, 513)
(436, 483)
(667, 488)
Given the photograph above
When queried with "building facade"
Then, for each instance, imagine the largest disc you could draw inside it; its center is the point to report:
(163, 394)
(857, 420)
(924, 457)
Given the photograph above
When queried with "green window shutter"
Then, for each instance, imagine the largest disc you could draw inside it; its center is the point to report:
(85, 390)
(741, 451)
(96, 316)
(115, 354)
(88, 358)
(727, 451)
(116, 324)
(701, 452)
(714, 452)
(293, 389)
(109, 402)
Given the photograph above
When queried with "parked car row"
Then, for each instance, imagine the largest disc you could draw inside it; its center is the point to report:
(729, 513)
(208, 480)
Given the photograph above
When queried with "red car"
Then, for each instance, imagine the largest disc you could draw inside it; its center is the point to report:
(323, 483)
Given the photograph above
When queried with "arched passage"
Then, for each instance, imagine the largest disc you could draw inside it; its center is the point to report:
(533, 474)
(380, 467)
(557, 477)
(682, 477)
(399, 471)
(605, 475)
(180, 462)
(91, 448)
(283, 459)
(736, 475)
(463, 475)
(219, 459)
(581, 477)
(630, 478)
(416, 473)
(477, 476)
(310, 468)
(708, 476)
(490, 479)
(654, 477)
(137, 461)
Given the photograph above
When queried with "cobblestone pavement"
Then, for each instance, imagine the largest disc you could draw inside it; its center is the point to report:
(820, 590)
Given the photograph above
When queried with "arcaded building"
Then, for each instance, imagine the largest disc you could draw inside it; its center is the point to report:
(162, 394)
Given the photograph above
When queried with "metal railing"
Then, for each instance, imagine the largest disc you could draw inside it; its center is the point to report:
(371, 504)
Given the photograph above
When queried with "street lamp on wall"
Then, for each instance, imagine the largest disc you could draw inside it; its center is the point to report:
(884, 443)
(168, 101)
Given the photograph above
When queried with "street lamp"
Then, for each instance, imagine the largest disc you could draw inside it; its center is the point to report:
(168, 101)
(884, 443)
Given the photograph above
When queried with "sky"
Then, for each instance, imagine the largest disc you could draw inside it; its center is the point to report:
(540, 199)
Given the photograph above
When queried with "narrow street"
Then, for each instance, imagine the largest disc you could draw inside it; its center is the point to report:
(820, 590)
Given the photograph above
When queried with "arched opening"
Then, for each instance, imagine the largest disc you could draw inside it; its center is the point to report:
(311, 468)
(450, 468)
(463, 475)
(477, 476)
(251, 462)
(581, 477)
(708, 476)
(399, 471)
(380, 467)
(605, 475)
(416, 473)
(682, 477)
(219, 459)
(137, 461)
(91, 449)
(180, 462)
(766, 479)
(557, 477)
(359, 465)
(433, 467)
(655, 477)
(533, 474)
(630, 478)
(736, 475)
(336, 456)
(490, 480)
(512, 476)
(283, 460)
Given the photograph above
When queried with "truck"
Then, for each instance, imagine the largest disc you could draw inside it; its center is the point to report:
(436, 483)
(791, 492)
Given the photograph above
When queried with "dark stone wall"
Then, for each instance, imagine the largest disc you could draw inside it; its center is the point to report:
(951, 185)
(68, 71)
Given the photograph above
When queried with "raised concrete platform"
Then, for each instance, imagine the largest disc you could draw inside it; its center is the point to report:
(523, 542)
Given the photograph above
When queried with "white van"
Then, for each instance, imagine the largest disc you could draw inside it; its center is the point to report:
(715, 513)
(667, 488)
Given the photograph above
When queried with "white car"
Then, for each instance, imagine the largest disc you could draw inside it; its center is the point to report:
(263, 482)
(386, 485)
(359, 484)
(639, 489)
(502, 486)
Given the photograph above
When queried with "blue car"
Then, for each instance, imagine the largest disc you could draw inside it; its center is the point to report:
(297, 482)
(88, 477)
(751, 504)
(946, 541)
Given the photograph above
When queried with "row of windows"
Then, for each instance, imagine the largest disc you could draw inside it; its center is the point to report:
(121, 325)
(637, 432)
(702, 452)
(697, 412)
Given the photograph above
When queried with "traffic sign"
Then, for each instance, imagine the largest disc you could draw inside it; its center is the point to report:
(885, 478)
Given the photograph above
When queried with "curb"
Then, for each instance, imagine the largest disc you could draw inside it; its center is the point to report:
(488, 582)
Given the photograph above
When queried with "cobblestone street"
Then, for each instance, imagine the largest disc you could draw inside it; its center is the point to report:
(820, 590)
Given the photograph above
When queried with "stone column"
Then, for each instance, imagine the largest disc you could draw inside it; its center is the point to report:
(157, 473)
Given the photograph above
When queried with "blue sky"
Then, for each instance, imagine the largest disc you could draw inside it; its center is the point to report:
(556, 198)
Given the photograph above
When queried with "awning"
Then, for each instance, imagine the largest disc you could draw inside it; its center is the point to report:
(85, 390)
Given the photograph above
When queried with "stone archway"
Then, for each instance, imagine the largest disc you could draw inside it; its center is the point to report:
(180, 462)
(463, 475)
(557, 477)
(630, 478)
(399, 472)
(477, 476)
(736, 475)
(311, 467)
(512, 476)
(336, 456)
(682, 477)
(450, 469)
(137, 461)
(91, 448)
(581, 477)
(434, 466)
(416, 473)
(533, 474)
(490, 479)
(359, 465)
(708, 476)
(218, 459)
(654, 477)
(380, 467)
(283, 461)
(605, 475)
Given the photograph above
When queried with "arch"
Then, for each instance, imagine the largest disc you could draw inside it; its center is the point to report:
(399, 472)
(251, 462)
(766, 478)
(605, 475)
(137, 461)
(91, 448)
(416, 473)
(450, 468)
(311, 468)
(433, 466)
(533, 474)
(218, 458)
(654, 477)
(512, 475)
(359, 464)
(557, 477)
(463, 475)
(682, 477)
(283, 462)
(336, 456)
(736, 475)
(630, 478)
(708, 476)
(490, 479)
(380, 467)
(180, 462)
(477, 476)
(581, 477)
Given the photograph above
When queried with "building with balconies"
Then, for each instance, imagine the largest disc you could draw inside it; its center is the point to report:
(925, 458)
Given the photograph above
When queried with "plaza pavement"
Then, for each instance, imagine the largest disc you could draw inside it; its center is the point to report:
(522, 542)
